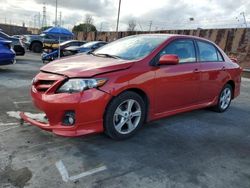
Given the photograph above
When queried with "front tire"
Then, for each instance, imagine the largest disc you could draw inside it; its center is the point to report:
(225, 99)
(37, 47)
(124, 115)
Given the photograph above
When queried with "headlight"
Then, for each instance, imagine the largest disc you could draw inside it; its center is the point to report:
(78, 85)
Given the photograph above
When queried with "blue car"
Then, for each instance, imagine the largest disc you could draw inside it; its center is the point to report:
(86, 48)
(7, 54)
(52, 55)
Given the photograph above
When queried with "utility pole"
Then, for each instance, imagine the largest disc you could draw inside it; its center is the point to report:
(56, 15)
(100, 30)
(60, 19)
(118, 18)
(44, 21)
(244, 17)
(35, 21)
(39, 20)
(150, 25)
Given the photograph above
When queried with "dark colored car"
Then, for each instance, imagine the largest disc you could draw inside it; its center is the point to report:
(7, 54)
(53, 54)
(35, 42)
(133, 80)
(16, 43)
(86, 48)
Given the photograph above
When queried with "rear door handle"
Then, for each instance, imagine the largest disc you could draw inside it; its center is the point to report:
(223, 68)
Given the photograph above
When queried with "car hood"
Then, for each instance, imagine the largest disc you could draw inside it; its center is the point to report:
(85, 66)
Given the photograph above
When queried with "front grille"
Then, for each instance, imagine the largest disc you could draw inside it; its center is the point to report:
(43, 85)
(44, 81)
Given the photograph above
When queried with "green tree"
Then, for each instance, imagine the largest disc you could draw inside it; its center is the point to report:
(87, 26)
(84, 27)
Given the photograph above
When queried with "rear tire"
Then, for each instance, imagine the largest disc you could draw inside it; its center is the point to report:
(124, 115)
(224, 99)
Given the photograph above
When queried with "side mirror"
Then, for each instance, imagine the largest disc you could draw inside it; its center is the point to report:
(169, 60)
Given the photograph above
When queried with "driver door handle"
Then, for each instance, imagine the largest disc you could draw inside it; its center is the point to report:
(196, 70)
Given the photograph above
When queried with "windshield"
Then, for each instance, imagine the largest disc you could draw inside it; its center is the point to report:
(89, 44)
(133, 47)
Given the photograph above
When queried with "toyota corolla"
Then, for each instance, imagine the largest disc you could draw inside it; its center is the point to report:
(133, 80)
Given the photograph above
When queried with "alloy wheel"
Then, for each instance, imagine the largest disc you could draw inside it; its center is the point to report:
(127, 116)
(225, 98)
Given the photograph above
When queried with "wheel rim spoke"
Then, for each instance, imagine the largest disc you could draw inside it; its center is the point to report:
(130, 125)
(130, 105)
(121, 124)
(136, 113)
(120, 112)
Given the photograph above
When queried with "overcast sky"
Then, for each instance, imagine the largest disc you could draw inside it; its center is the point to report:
(164, 14)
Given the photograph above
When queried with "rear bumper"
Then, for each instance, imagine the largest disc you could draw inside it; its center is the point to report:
(7, 61)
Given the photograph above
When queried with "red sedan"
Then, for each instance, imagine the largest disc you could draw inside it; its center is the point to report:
(131, 81)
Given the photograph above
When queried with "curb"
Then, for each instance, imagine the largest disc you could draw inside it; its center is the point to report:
(246, 73)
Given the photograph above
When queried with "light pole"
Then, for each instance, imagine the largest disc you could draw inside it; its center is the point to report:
(118, 17)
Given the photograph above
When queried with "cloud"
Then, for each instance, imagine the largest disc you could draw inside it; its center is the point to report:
(164, 14)
(206, 13)
(95, 7)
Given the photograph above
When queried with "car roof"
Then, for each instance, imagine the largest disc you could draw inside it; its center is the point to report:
(176, 36)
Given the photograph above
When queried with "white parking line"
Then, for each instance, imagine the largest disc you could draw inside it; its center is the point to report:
(63, 171)
(7, 124)
(20, 102)
(4, 130)
(65, 175)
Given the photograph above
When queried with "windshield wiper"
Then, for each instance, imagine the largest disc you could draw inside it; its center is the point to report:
(107, 55)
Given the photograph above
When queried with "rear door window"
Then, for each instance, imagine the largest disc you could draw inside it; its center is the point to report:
(208, 52)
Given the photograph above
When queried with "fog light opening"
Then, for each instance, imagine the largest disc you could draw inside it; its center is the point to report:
(69, 118)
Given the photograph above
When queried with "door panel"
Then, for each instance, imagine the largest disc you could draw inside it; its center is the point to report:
(212, 69)
(177, 86)
(212, 78)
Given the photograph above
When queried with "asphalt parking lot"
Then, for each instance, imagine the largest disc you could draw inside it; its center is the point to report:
(195, 149)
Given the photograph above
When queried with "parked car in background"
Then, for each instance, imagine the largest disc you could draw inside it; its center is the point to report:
(133, 80)
(34, 43)
(18, 36)
(16, 43)
(52, 54)
(7, 54)
(85, 48)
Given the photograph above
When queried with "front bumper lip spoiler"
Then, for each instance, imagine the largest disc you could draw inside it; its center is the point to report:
(35, 122)
(58, 130)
